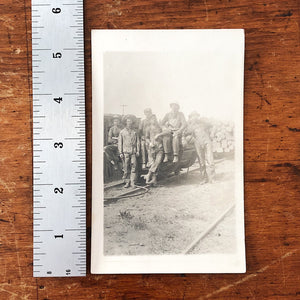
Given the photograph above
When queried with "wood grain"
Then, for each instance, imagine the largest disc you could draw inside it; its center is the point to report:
(272, 165)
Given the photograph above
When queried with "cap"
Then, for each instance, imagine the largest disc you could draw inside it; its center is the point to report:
(194, 114)
(174, 104)
(131, 117)
(148, 110)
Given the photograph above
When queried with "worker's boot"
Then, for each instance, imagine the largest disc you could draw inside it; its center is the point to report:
(148, 177)
(203, 177)
(127, 184)
(150, 158)
(175, 159)
(166, 159)
(133, 180)
(154, 180)
(210, 176)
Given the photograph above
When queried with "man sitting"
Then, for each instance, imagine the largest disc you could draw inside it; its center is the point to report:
(173, 124)
(154, 139)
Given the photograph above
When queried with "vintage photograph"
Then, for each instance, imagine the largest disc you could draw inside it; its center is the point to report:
(169, 126)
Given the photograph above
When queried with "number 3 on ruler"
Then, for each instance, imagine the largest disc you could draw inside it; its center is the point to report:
(58, 145)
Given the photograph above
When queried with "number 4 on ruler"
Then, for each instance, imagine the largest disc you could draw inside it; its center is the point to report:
(58, 139)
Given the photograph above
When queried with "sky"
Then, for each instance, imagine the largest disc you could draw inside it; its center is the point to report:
(202, 82)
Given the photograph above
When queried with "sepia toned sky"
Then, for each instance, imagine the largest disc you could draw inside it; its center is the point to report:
(205, 82)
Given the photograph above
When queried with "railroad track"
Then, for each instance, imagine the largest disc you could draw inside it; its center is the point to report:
(137, 191)
(208, 230)
(141, 190)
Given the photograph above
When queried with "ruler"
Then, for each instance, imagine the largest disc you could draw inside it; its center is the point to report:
(59, 165)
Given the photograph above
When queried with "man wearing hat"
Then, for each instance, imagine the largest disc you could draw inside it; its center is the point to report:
(114, 131)
(203, 145)
(173, 124)
(143, 128)
(154, 137)
(129, 148)
(111, 150)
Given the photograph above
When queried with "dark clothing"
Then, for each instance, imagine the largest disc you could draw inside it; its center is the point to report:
(112, 154)
(110, 161)
(113, 135)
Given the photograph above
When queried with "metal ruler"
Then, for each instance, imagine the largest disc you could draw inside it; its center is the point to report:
(59, 165)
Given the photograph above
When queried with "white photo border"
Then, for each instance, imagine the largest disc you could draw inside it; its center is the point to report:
(163, 41)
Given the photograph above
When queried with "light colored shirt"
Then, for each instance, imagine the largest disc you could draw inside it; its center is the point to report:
(128, 141)
(199, 130)
(174, 121)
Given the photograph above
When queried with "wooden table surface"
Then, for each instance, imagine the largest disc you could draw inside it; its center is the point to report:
(272, 165)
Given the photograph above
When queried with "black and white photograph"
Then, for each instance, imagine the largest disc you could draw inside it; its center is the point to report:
(168, 151)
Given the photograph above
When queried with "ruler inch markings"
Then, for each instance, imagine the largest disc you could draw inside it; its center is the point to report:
(58, 73)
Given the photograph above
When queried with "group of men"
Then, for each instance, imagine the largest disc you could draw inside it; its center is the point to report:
(156, 142)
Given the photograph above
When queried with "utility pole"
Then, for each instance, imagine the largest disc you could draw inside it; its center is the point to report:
(123, 108)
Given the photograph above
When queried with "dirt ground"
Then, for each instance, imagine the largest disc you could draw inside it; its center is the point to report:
(172, 215)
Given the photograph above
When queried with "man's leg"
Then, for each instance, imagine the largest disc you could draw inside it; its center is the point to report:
(209, 162)
(157, 161)
(176, 146)
(201, 160)
(144, 153)
(126, 169)
(154, 167)
(149, 174)
(149, 155)
(167, 143)
(133, 173)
